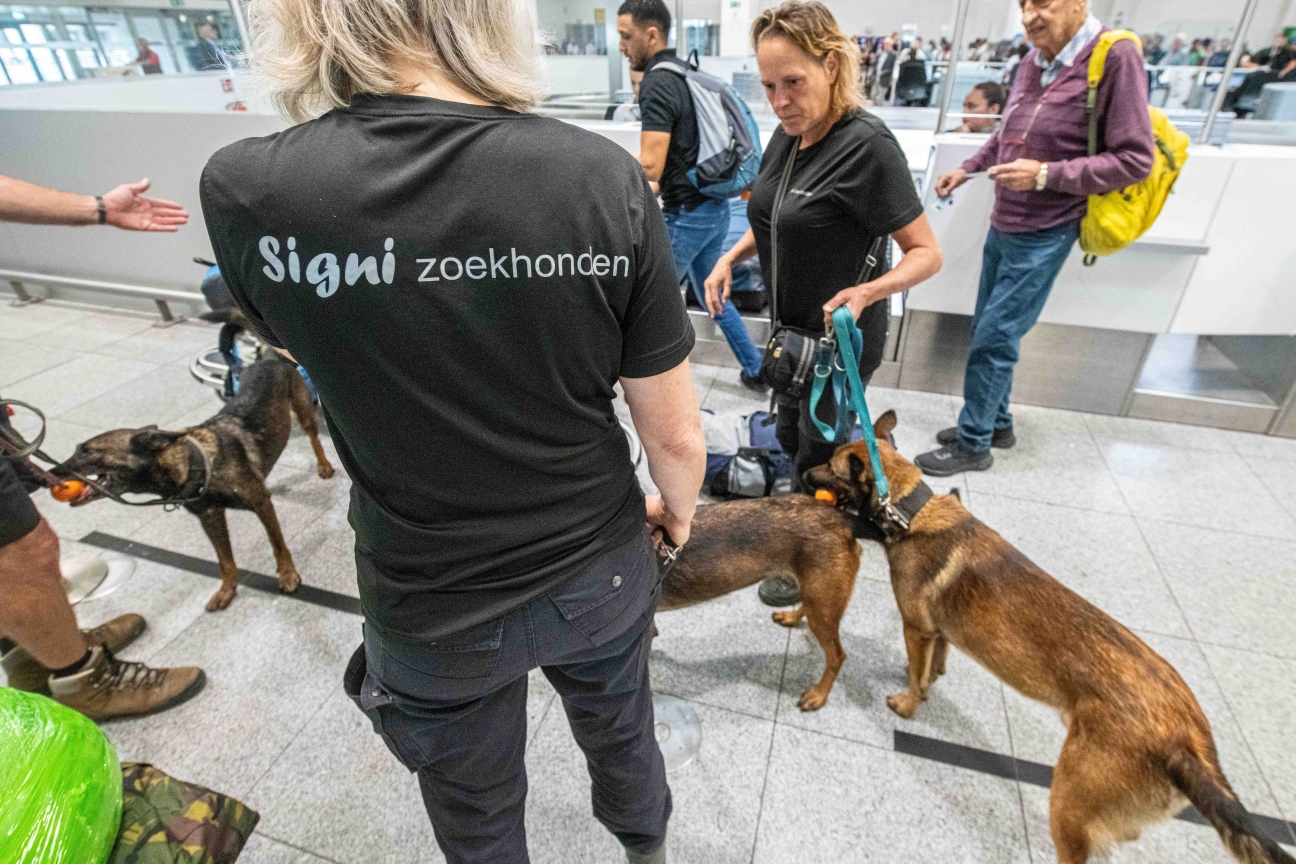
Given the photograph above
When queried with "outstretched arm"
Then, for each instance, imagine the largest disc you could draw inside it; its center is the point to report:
(125, 207)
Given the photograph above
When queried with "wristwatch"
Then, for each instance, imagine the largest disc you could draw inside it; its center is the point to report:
(1041, 179)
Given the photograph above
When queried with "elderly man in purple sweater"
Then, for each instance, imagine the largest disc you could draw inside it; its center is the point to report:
(1043, 174)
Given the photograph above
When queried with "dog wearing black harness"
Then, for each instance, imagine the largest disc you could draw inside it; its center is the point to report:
(207, 469)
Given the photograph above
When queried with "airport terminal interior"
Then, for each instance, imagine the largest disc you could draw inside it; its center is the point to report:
(1154, 471)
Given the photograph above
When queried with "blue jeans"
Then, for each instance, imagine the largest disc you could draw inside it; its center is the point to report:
(1017, 274)
(697, 240)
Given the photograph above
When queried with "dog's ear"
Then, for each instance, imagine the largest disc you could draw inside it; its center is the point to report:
(857, 467)
(885, 424)
(151, 439)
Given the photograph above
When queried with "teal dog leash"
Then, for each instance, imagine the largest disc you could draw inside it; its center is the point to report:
(839, 352)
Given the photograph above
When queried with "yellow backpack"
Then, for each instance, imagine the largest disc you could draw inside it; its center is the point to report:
(1118, 218)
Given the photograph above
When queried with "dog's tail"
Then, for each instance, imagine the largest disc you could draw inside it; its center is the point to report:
(1208, 791)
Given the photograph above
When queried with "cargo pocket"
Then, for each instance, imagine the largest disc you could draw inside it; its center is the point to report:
(470, 653)
(597, 598)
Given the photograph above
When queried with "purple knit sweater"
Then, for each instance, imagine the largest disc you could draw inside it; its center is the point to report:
(1049, 124)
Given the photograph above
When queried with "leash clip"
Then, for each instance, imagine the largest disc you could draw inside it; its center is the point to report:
(893, 514)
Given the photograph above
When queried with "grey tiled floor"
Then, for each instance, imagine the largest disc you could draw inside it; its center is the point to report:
(1120, 510)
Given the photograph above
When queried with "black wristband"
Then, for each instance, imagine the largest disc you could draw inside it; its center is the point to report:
(103, 209)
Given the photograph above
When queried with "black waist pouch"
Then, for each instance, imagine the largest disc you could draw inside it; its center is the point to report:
(787, 366)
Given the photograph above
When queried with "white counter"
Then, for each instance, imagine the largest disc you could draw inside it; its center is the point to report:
(1235, 201)
(1221, 258)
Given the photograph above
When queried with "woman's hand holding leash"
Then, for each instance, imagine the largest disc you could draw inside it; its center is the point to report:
(856, 297)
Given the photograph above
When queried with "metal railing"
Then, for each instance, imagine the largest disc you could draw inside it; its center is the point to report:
(162, 297)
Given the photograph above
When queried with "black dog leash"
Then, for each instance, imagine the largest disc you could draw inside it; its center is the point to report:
(19, 448)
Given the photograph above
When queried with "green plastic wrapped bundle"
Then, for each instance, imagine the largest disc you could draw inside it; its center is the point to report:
(60, 784)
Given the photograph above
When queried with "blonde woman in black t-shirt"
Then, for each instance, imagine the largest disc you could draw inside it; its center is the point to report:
(466, 283)
(850, 185)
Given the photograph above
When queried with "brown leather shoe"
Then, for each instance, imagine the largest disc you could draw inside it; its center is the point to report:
(25, 672)
(107, 687)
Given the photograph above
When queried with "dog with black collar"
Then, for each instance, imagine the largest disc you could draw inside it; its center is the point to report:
(1138, 748)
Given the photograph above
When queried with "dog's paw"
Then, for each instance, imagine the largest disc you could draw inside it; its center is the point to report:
(325, 470)
(788, 619)
(903, 704)
(221, 600)
(289, 582)
(812, 700)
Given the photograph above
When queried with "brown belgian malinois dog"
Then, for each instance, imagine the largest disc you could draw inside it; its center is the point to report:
(1138, 748)
(738, 543)
(218, 464)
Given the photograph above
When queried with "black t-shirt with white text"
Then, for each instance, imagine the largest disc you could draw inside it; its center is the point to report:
(847, 189)
(464, 285)
(666, 106)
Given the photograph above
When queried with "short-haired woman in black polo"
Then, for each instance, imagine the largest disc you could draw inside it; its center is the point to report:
(850, 184)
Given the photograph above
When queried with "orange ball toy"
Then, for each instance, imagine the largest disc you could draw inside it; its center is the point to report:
(68, 491)
(826, 495)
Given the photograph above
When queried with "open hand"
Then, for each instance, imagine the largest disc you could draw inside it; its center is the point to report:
(1018, 175)
(129, 209)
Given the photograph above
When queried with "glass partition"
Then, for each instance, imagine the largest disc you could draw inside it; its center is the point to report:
(47, 44)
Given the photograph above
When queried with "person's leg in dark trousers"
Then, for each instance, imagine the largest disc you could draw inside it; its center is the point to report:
(454, 709)
(609, 708)
(1018, 272)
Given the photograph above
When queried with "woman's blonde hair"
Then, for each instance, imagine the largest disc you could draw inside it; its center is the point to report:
(316, 55)
(813, 29)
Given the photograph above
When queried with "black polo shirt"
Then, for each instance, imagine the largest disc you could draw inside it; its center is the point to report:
(666, 106)
(848, 188)
(464, 285)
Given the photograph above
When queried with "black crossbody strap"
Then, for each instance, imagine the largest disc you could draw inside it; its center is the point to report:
(779, 195)
(872, 259)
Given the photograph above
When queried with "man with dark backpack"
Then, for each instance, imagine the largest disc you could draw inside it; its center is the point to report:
(701, 147)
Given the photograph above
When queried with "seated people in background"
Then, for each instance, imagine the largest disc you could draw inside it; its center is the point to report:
(147, 60)
(1268, 55)
(41, 648)
(986, 100)
(1219, 57)
(1178, 53)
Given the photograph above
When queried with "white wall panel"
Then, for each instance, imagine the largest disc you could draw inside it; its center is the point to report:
(1247, 284)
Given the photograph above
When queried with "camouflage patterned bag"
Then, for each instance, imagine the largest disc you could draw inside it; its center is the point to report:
(166, 821)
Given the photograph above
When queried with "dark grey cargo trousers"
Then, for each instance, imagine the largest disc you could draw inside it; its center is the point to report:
(454, 710)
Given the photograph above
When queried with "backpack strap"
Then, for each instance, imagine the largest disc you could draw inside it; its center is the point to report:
(1097, 63)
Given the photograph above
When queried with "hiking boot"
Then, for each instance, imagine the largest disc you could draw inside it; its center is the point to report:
(779, 591)
(106, 687)
(117, 633)
(1003, 438)
(25, 672)
(753, 383)
(955, 458)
